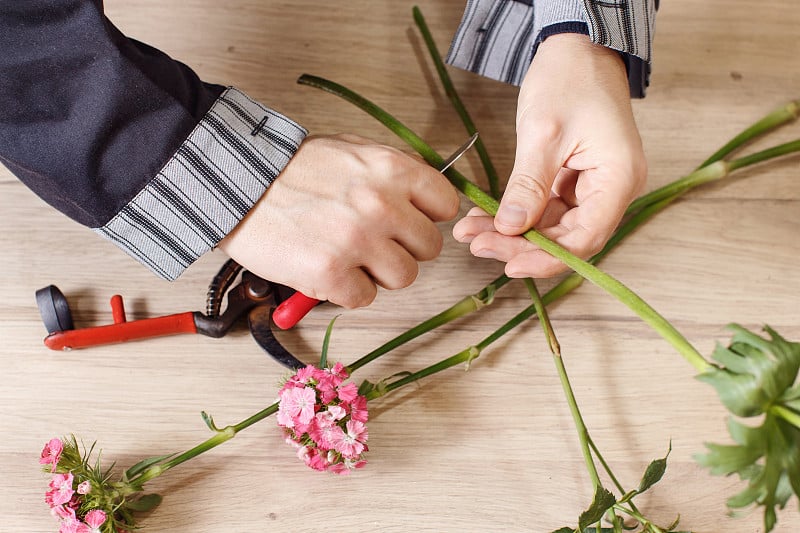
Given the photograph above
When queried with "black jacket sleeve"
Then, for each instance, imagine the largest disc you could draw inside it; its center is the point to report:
(96, 123)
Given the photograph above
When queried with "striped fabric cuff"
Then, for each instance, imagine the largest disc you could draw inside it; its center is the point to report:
(624, 25)
(210, 183)
(496, 38)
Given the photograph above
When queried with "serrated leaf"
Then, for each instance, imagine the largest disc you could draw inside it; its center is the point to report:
(767, 457)
(654, 472)
(756, 372)
(144, 464)
(602, 502)
(148, 502)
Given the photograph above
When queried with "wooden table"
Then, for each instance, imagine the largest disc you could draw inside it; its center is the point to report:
(493, 449)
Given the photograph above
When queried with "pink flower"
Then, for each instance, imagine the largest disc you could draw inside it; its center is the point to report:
(324, 435)
(94, 519)
(344, 467)
(306, 374)
(63, 512)
(85, 487)
(351, 443)
(60, 490)
(348, 393)
(358, 409)
(51, 453)
(324, 420)
(296, 406)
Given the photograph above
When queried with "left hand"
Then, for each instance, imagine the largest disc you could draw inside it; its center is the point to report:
(579, 160)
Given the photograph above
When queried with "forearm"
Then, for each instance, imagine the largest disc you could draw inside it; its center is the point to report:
(126, 140)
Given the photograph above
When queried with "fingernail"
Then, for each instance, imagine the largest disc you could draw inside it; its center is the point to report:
(511, 215)
(486, 254)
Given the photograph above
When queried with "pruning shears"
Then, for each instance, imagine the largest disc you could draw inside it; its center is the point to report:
(294, 308)
(251, 296)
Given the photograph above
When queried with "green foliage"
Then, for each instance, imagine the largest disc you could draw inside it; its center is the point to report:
(602, 502)
(323, 357)
(759, 378)
(654, 473)
(756, 373)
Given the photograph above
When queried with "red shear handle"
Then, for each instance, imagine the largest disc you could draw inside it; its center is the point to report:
(122, 331)
(292, 310)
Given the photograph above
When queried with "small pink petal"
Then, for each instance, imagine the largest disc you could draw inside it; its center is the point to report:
(95, 518)
(51, 454)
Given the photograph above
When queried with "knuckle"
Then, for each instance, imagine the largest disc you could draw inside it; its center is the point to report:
(373, 203)
(433, 247)
(523, 184)
(361, 297)
(406, 275)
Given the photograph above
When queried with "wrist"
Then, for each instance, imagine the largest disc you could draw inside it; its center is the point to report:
(575, 58)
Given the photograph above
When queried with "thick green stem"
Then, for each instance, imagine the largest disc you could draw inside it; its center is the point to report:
(490, 205)
(789, 415)
(463, 307)
(783, 115)
(219, 437)
(712, 172)
(555, 349)
(569, 284)
(458, 105)
(544, 317)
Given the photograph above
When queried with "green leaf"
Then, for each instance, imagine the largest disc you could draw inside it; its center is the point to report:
(767, 457)
(209, 420)
(323, 358)
(144, 464)
(564, 530)
(655, 470)
(148, 502)
(602, 502)
(366, 387)
(756, 372)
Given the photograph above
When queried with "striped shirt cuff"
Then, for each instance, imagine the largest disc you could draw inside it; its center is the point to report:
(210, 183)
(497, 38)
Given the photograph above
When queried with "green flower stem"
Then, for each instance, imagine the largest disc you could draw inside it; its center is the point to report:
(463, 307)
(544, 318)
(783, 115)
(608, 470)
(555, 349)
(223, 435)
(711, 172)
(580, 426)
(458, 105)
(764, 155)
(780, 116)
(569, 284)
(490, 205)
(790, 415)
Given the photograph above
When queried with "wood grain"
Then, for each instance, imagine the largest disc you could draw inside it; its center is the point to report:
(488, 450)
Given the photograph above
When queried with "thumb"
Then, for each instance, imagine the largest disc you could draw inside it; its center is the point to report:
(528, 189)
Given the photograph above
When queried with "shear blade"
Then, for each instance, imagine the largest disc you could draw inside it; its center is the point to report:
(260, 319)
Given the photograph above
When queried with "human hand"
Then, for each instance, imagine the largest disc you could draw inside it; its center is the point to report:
(346, 215)
(579, 160)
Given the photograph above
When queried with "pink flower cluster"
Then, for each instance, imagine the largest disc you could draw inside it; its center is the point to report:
(65, 499)
(324, 419)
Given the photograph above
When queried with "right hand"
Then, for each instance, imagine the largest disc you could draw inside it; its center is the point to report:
(344, 216)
